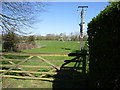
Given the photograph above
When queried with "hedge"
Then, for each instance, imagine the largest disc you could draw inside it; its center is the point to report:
(104, 48)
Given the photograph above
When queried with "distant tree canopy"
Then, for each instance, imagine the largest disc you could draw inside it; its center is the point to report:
(104, 48)
(71, 37)
(31, 39)
(19, 15)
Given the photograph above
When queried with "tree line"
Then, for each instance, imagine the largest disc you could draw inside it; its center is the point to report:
(14, 42)
(61, 37)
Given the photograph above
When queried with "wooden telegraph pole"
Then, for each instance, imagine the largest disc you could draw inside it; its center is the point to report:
(81, 26)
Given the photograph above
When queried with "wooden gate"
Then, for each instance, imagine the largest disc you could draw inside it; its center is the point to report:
(29, 74)
(13, 67)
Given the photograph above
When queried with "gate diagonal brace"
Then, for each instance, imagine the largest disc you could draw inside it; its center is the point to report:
(54, 66)
(17, 65)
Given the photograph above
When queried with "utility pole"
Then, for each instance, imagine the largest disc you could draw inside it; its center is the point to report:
(81, 26)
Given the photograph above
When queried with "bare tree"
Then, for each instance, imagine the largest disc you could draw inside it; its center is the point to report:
(19, 15)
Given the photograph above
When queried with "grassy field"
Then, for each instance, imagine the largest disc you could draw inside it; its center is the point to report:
(46, 47)
(55, 47)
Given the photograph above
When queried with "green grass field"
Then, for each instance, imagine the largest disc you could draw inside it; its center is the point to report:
(55, 47)
(47, 47)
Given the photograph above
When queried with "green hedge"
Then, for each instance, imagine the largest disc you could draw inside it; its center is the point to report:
(104, 48)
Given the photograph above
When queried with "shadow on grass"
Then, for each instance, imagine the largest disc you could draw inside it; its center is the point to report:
(72, 76)
(66, 48)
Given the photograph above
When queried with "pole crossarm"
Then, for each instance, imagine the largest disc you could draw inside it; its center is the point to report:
(82, 6)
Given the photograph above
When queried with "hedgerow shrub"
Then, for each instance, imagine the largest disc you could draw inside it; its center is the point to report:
(9, 41)
(104, 48)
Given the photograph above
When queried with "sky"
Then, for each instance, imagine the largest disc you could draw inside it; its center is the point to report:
(64, 17)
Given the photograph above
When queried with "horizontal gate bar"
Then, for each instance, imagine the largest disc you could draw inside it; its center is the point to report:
(25, 77)
(27, 66)
(29, 72)
(30, 60)
(37, 54)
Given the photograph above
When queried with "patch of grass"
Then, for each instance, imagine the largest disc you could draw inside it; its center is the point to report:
(15, 57)
(44, 69)
(57, 57)
(4, 62)
(58, 63)
(54, 47)
(21, 83)
(35, 63)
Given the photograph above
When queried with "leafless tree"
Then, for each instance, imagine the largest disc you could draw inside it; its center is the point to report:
(19, 15)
